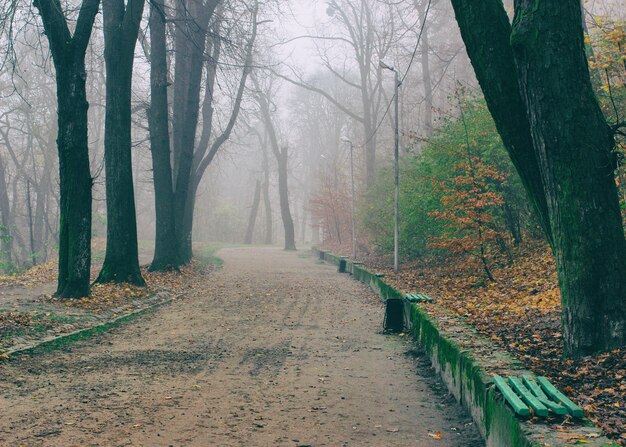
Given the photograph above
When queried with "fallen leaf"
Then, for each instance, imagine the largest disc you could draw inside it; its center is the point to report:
(437, 435)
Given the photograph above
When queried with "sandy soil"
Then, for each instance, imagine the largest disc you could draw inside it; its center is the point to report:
(273, 350)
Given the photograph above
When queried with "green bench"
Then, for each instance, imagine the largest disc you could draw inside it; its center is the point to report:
(529, 395)
(417, 298)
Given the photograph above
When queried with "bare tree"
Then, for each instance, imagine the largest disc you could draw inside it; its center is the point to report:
(165, 247)
(367, 31)
(282, 158)
(190, 45)
(267, 203)
(68, 54)
(5, 220)
(121, 25)
(210, 142)
(254, 209)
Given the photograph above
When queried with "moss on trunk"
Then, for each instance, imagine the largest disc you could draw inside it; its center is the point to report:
(536, 82)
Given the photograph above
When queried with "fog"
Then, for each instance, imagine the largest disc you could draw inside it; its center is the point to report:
(317, 63)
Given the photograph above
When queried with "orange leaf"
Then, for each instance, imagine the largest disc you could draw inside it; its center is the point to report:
(437, 435)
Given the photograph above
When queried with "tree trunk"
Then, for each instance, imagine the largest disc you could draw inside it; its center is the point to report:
(42, 192)
(370, 137)
(41, 241)
(5, 222)
(558, 139)
(185, 248)
(75, 184)
(166, 242)
(282, 157)
(190, 48)
(253, 213)
(31, 229)
(68, 55)
(512, 220)
(121, 25)
(203, 156)
(267, 203)
(486, 31)
(182, 61)
(574, 146)
(428, 86)
(283, 191)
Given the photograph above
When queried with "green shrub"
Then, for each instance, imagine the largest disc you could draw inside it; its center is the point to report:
(437, 162)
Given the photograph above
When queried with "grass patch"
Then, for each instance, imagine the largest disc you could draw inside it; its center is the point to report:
(207, 255)
(54, 317)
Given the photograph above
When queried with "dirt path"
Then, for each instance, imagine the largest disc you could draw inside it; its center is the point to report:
(275, 350)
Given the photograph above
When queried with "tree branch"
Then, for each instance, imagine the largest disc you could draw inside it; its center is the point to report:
(311, 88)
(220, 140)
(55, 26)
(84, 25)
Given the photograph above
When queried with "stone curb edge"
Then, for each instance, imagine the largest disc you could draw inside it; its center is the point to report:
(452, 352)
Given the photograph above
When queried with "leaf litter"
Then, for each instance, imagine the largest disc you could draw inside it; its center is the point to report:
(26, 317)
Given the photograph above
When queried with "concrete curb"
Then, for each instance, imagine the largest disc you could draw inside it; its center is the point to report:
(53, 343)
(453, 347)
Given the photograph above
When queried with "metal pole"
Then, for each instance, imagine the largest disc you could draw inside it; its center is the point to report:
(353, 195)
(396, 178)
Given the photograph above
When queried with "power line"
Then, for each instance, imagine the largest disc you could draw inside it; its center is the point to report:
(419, 38)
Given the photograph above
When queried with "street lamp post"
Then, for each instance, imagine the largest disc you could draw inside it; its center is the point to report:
(353, 198)
(396, 168)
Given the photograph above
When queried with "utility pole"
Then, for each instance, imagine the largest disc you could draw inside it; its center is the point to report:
(346, 140)
(396, 167)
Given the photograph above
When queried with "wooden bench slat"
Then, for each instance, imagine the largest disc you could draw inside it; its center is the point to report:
(538, 408)
(425, 298)
(414, 298)
(418, 298)
(557, 396)
(532, 385)
(518, 406)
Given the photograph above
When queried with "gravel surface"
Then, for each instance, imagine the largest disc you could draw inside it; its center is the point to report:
(272, 350)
